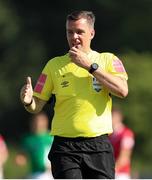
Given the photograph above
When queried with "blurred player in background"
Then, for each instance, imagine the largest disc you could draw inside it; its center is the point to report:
(123, 141)
(3, 155)
(37, 145)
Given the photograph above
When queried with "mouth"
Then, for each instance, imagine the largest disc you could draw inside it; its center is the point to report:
(77, 45)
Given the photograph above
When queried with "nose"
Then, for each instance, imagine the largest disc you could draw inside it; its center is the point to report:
(75, 35)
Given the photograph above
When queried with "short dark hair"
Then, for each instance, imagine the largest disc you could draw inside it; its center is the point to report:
(76, 15)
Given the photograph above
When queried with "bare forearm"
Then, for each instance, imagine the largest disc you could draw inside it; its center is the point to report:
(36, 105)
(123, 159)
(121, 163)
(116, 85)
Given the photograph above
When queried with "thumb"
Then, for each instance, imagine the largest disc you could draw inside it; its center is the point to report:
(28, 80)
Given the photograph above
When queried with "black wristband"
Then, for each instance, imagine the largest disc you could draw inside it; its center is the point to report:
(29, 103)
(93, 67)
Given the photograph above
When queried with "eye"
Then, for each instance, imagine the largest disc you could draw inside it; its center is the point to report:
(80, 32)
(70, 32)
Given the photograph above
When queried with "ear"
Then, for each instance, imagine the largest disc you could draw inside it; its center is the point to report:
(92, 33)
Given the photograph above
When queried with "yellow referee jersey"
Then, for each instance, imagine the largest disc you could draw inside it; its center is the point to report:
(83, 106)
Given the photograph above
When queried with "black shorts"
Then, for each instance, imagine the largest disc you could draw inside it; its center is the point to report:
(78, 158)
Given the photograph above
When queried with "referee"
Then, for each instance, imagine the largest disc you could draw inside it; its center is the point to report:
(82, 81)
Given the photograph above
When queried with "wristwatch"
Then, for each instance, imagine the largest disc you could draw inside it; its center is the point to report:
(93, 67)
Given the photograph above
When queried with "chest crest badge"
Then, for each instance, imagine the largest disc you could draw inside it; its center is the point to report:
(96, 85)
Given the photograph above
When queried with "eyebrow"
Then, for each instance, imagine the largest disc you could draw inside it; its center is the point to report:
(82, 30)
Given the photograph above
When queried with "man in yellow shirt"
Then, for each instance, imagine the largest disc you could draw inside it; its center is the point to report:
(82, 81)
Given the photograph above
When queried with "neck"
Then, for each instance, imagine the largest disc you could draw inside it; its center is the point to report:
(87, 51)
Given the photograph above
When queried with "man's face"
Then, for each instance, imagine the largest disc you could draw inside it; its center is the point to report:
(79, 34)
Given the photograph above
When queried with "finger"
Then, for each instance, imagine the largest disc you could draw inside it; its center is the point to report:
(25, 88)
(22, 96)
(23, 93)
(28, 81)
(74, 48)
(71, 52)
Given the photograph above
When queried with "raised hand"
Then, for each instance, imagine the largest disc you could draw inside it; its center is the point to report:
(80, 58)
(26, 93)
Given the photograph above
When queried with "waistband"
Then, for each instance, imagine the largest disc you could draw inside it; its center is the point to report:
(60, 138)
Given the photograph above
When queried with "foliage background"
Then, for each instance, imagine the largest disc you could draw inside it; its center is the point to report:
(32, 32)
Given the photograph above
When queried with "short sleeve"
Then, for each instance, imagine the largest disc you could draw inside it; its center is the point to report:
(44, 85)
(116, 67)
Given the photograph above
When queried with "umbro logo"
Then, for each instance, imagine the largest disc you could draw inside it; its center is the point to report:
(65, 84)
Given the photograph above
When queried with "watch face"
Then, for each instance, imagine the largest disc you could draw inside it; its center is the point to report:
(95, 66)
